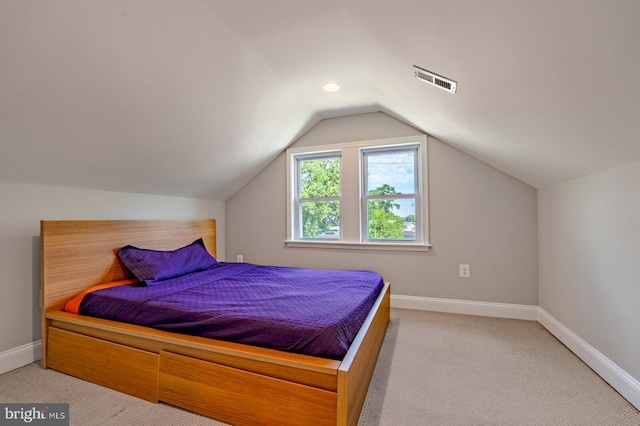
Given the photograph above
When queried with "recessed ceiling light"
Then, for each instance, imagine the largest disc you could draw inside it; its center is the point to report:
(331, 86)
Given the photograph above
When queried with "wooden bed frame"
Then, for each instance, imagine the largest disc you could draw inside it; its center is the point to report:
(234, 383)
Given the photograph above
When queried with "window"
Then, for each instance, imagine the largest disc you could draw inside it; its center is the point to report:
(369, 194)
(318, 196)
(389, 194)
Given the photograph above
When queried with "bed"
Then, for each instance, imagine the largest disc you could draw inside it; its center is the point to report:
(236, 383)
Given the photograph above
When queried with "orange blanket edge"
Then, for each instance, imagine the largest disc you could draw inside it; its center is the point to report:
(73, 305)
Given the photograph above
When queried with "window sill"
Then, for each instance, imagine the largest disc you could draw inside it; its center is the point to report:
(342, 245)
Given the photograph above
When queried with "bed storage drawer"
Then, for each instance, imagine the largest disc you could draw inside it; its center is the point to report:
(240, 397)
(118, 367)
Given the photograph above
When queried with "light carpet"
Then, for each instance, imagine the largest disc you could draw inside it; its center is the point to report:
(434, 369)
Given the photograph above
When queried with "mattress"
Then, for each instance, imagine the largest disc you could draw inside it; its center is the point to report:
(306, 311)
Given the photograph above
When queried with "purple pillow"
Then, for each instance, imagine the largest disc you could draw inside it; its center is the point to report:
(152, 266)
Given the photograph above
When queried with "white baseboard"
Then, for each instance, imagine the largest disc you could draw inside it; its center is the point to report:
(466, 307)
(20, 356)
(619, 379)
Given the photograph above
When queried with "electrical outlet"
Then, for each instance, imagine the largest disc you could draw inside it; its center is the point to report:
(239, 258)
(465, 271)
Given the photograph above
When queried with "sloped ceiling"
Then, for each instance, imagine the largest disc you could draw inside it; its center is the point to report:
(193, 98)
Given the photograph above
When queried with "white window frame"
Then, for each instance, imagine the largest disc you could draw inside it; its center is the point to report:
(365, 196)
(351, 204)
(298, 199)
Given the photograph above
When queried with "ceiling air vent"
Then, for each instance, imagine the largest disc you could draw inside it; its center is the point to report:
(435, 79)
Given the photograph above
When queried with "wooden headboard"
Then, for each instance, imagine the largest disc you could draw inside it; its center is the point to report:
(78, 254)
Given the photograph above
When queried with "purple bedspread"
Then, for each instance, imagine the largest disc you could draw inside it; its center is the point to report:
(308, 311)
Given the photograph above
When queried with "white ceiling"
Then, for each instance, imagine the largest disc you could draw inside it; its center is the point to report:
(194, 98)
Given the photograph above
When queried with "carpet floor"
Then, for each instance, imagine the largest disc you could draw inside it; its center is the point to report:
(434, 369)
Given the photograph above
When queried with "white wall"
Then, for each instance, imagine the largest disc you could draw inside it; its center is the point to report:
(589, 237)
(22, 206)
(478, 215)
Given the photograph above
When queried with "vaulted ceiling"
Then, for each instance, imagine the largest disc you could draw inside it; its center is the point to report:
(194, 98)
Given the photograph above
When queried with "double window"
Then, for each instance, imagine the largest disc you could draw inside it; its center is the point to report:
(363, 194)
